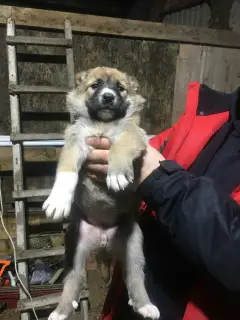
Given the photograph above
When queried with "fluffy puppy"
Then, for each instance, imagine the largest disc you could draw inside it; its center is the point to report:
(105, 103)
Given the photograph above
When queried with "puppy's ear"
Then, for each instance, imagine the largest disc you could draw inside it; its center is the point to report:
(80, 77)
(133, 83)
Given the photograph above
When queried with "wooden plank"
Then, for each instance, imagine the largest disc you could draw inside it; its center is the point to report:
(69, 55)
(16, 89)
(30, 155)
(46, 300)
(232, 59)
(21, 230)
(120, 27)
(25, 194)
(36, 136)
(39, 253)
(222, 67)
(41, 41)
(188, 69)
(70, 60)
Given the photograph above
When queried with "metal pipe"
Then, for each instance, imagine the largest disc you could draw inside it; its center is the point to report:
(6, 142)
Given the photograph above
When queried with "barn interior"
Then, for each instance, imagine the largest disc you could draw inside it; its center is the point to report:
(165, 44)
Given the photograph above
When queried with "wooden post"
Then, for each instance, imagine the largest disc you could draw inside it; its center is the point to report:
(70, 59)
(21, 232)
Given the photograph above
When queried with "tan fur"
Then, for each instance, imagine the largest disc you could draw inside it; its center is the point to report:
(68, 158)
(129, 146)
(86, 78)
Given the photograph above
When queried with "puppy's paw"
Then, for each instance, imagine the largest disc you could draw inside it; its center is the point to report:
(118, 180)
(149, 311)
(58, 204)
(130, 303)
(56, 316)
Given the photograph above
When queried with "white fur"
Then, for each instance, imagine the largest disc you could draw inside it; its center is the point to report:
(117, 182)
(58, 204)
(107, 90)
(74, 304)
(149, 311)
(56, 316)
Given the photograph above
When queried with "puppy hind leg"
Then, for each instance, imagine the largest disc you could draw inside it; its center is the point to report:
(133, 262)
(74, 282)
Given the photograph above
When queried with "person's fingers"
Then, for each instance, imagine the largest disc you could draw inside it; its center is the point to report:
(97, 177)
(98, 156)
(98, 143)
(97, 168)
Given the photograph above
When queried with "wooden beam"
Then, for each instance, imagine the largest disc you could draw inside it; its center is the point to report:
(45, 300)
(36, 137)
(41, 41)
(120, 27)
(39, 253)
(21, 88)
(30, 155)
(175, 5)
(27, 194)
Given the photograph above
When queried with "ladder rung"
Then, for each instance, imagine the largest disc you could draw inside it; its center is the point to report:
(18, 137)
(45, 301)
(16, 89)
(56, 42)
(39, 253)
(24, 194)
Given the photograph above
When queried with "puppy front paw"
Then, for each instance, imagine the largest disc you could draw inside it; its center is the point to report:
(149, 311)
(119, 180)
(58, 204)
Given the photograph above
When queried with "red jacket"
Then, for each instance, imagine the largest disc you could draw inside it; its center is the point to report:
(185, 140)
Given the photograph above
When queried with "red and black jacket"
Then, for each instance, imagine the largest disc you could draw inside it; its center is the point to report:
(196, 218)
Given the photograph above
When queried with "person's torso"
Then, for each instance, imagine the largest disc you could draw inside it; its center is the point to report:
(219, 159)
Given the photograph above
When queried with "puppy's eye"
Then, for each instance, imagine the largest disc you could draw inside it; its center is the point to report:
(94, 85)
(120, 87)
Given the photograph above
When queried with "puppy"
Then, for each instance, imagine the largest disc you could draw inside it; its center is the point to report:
(105, 103)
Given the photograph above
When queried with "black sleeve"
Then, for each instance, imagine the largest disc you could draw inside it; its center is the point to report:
(202, 218)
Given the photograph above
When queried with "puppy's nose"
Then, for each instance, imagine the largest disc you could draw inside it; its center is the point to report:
(108, 97)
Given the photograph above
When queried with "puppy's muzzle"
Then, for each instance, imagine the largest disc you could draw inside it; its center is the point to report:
(108, 97)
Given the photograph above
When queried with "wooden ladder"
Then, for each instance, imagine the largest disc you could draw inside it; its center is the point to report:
(19, 194)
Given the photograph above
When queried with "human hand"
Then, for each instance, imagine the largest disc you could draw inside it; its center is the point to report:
(150, 162)
(97, 160)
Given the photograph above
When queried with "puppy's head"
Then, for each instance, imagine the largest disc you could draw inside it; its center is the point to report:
(104, 94)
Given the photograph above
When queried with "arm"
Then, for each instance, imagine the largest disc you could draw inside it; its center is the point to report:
(71, 158)
(203, 219)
